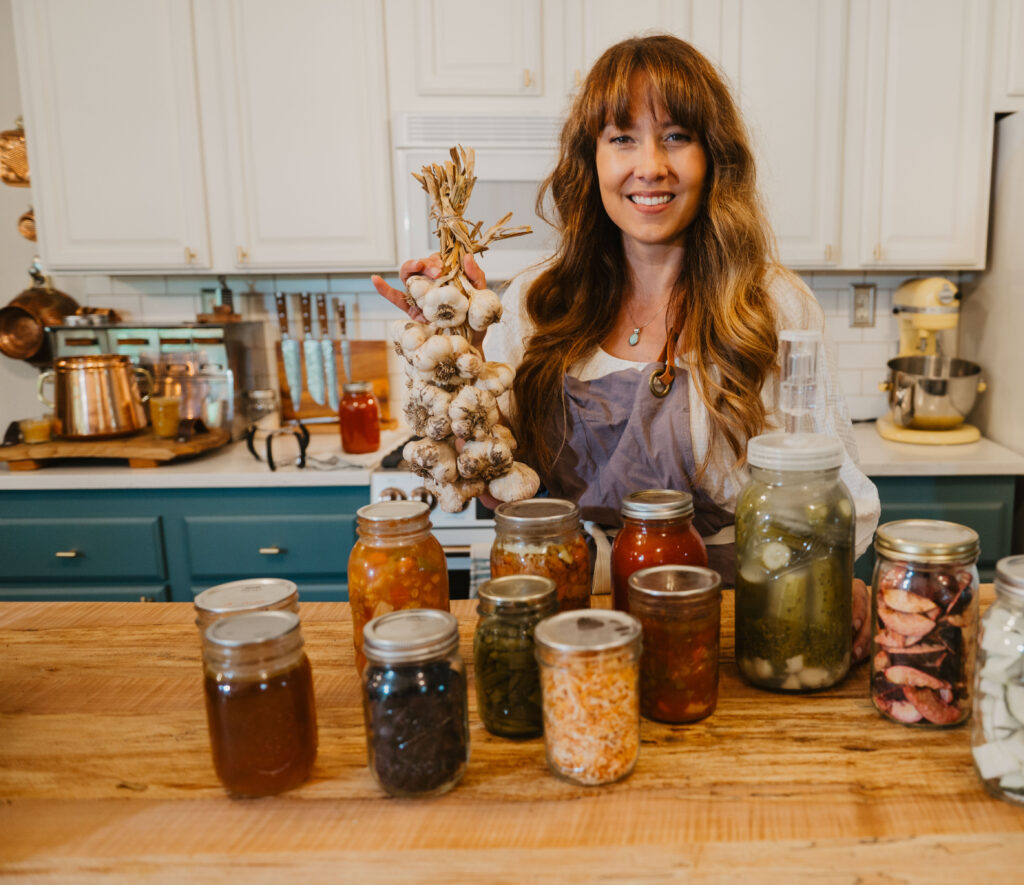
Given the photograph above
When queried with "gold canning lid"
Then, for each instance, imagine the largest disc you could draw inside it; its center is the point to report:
(927, 540)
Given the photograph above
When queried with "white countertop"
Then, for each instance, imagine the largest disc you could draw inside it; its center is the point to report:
(882, 457)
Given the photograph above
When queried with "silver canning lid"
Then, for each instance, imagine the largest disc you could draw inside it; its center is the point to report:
(392, 511)
(686, 583)
(657, 504)
(251, 629)
(927, 540)
(587, 630)
(794, 451)
(250, 594)
(536, 513)
(357, 387)
(411, 635)
(517, 594)
(1010, 575)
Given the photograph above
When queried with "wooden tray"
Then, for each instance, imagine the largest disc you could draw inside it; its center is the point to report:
(142, 450)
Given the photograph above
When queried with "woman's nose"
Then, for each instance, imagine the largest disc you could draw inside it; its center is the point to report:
(651, 161)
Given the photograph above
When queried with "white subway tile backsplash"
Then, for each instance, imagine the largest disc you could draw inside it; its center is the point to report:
(827, 300)
(128, 307)
(300, 284)
(139, 286)
(865, 355)
(97, 285)
(841, 332)
(850, 382)
(171, 308)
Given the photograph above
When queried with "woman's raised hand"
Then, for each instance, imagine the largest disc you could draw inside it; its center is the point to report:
(428, 267)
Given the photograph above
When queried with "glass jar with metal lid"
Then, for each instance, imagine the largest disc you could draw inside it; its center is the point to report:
(359, 418)
(924, 621)
(506, 675)
(590, 692)
(657, 529)
(544, 536)
(397, 563)
(679, 608)
(794, 564)
(260, 706)
(247, 595)
(997, 729)
(415, 703)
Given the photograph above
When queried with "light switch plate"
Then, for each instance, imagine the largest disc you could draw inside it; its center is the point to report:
(862, 305)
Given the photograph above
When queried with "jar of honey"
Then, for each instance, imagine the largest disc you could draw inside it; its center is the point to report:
(359, 418)
(260, 707)
(247, 595)
(396, 564)
(657, 529)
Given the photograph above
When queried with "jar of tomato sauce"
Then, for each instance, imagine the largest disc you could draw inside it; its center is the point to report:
(359, 418)
(396, 564)
(657, 529)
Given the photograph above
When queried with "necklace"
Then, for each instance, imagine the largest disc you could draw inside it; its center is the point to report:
(634, 339)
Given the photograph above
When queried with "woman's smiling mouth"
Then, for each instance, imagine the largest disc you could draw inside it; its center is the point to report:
(658, 200)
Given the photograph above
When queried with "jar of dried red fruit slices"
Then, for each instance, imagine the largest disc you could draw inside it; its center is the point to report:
(924, 621)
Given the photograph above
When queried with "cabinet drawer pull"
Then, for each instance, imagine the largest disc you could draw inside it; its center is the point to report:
(527, 78)
(243, 255)
(272, 551)
(190, 255)
(69, 554)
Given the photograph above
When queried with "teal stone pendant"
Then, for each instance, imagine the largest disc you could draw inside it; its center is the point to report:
(634, 339)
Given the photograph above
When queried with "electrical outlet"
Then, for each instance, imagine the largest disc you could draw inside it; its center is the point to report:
(862, 305)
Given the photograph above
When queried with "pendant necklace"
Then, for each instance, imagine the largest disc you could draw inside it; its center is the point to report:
(634, 339)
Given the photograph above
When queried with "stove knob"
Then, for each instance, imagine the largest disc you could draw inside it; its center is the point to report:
(420, 493)
(391, 494)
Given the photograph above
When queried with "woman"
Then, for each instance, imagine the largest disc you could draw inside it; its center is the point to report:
(646, 347)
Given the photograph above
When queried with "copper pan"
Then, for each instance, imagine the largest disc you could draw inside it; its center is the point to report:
(23, 320)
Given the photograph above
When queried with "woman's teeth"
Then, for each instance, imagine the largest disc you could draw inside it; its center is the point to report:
(650, 201)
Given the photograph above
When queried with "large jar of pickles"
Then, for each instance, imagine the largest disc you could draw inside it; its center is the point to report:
(794, 564)
(544, 536)
(924, 621)
(657, 529)
(396, 564)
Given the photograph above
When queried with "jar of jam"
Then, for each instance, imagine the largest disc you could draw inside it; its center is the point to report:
(396, 563)
(415, 702)
(924, 621)
(794, 564)
(590, 692)
(997, 727)
(544, 536)
(260, 706)
(359, 418)
(657, 529)
(248, 595)
(506, 675)
(679, 608)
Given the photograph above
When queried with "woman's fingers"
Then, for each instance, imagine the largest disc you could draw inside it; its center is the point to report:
(397, 298)
(429, 267)
(473, 272)
(861, 620)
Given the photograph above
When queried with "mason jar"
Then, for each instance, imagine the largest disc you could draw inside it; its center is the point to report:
(924, 621)
(359, 418)
(544, 536)
(415, 703)
(260, 706)
(794, 564)
(247, 595)
(997, 729)
(505, 668)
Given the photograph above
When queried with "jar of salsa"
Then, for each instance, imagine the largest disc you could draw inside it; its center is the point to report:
(359, 418)
(679, 608)
(247, 595)
(260, 707)
(543, 536)
(396, 563)
(657, 529)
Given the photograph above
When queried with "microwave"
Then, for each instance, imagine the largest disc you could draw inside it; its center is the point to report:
(513, 157)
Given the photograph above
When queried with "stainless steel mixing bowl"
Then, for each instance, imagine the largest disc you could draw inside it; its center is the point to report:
(932, 392)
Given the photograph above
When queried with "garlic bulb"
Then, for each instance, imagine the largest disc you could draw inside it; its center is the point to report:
(418, 286)
(484, 309)
(445, 306)
(452, 497)
(426, 410)
(432, 459)
(519, 483)
(473, 413)
(484, 459)
(495, 377)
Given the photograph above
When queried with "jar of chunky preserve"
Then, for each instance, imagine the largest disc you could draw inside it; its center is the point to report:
(396, 563)
(260, 706)
(794, 564)
(505, 672)
(657, 529)
(997, 729)
(544, 536)
(924, 621)
(590, 692)
(415, 702)
(679, 608)
(359, 418)
(247, 595)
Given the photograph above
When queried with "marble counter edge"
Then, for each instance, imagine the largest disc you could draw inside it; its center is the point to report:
(881, 457)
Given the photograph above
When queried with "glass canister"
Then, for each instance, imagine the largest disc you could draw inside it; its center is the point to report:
(260, 706)
(997, 729)
(657, 529)
(794, 564)
(359, 418)
(544, 536)
(679, 609)
(414, 702)
(247, 595)
(505, 667)
(924, 621)
(590, 693)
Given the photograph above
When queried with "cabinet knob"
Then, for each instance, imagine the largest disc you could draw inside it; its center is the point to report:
(190, 256)
(527, 77)
(828, 252)
(69, 554)
(243, 255)
(577, 78)
(272, 551)
(878, 252)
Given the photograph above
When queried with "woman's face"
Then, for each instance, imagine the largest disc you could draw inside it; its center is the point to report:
(651, 175)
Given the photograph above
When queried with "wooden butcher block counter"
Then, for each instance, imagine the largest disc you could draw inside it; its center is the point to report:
(105, 772)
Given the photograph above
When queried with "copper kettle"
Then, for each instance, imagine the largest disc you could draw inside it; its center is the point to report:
(24, 320)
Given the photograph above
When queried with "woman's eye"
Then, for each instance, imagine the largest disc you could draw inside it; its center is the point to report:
(684, 137)
(619, 139)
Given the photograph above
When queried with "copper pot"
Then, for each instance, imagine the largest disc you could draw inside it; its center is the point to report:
(24, 320)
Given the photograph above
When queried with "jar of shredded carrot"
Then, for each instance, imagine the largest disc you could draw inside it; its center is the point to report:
(396, 564)
(544, 536)
(590, 694)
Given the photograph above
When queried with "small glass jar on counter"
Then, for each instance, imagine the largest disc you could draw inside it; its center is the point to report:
(359, 418)
(590, 691)
(679, 608)
(506, 674)
(544, 536)
(924, 621)
(247, 595)
(794, 564)
(657, 529)
(396, 563)
(997, 729)
(260, 706)
(415, 702)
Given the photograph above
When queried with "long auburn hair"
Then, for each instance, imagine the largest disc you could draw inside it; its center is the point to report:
(719, 301)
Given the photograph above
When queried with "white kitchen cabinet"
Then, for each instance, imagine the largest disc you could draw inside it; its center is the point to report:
(1008, 56)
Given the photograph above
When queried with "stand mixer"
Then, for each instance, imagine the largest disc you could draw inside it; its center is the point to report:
(931, 391)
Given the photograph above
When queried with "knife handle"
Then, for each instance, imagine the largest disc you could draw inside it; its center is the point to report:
(307, 321)
(321, 314)
(342, 323)
(282, 313)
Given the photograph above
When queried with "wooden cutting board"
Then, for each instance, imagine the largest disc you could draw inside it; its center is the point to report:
(141, 450)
